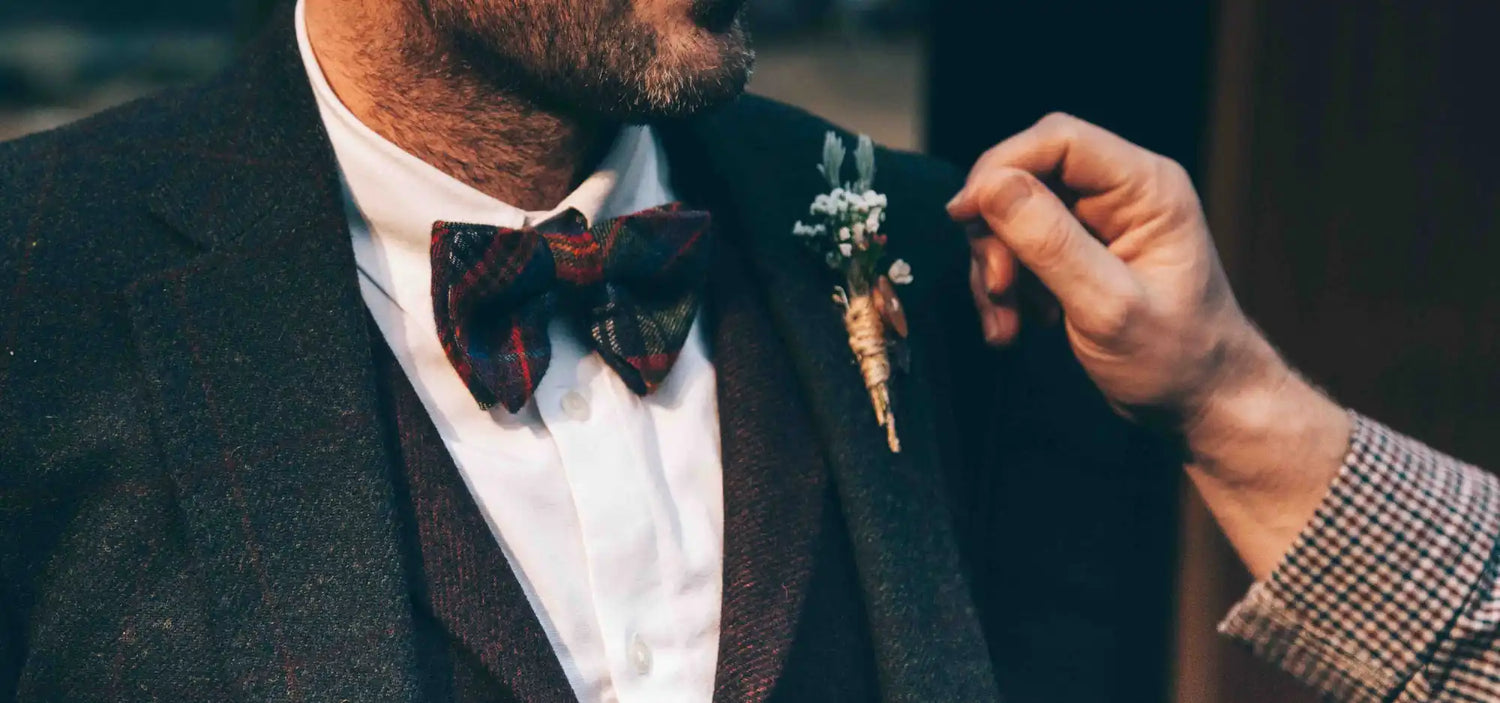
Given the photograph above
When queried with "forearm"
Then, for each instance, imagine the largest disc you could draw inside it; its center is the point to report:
(1389, 593)
(1263, 454)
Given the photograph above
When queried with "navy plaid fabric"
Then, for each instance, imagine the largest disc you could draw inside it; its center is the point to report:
(1390, 594)
(632, 283)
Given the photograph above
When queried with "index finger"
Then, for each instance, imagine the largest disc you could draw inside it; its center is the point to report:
(1086, 158)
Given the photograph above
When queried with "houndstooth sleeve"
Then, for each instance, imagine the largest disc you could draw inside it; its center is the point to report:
(1390, 593)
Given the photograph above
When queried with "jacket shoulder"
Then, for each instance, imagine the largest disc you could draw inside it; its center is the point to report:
(72, 195)
(795, 136)
(90, 151)
(785, 143)
(75, 232)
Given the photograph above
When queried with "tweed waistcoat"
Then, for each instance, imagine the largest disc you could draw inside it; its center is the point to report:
(793, 627)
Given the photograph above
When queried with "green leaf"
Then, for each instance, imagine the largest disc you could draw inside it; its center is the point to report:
(864, 161)
(833, 159)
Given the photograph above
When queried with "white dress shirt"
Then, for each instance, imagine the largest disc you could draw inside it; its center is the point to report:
(608, 506)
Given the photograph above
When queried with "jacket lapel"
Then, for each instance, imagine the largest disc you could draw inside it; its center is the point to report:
(464, 579)
(774, 481)
(926, 635)
(260, 363)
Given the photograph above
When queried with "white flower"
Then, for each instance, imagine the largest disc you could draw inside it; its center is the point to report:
(849, 215)
(900, 273)
(802, 230)
(857, 202)
(827, 205)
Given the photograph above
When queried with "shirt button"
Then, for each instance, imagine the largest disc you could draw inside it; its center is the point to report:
(640, 655)
(575, 406)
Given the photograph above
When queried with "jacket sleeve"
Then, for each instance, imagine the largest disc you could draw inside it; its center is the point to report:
(1390, 593)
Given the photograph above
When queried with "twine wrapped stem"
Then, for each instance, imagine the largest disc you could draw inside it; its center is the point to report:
(867, 338)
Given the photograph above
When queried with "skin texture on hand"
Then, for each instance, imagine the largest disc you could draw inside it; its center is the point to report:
(1123, 244)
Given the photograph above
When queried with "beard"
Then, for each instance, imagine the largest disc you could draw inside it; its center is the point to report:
(599, 58)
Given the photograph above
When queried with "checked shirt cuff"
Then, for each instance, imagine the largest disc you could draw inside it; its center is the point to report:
(1389, 593)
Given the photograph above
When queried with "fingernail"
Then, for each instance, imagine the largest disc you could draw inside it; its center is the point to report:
(957, 198)
(995, 279)
(988, 326)
(1000, 323)
(1012, 195)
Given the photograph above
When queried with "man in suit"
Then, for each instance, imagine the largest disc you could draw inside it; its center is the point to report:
(359, 373)
(246, 459)
(445, 351)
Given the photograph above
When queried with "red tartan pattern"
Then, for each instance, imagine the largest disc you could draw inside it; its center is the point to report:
(632, 283)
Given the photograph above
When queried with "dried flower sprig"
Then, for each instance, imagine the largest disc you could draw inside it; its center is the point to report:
(850, 238)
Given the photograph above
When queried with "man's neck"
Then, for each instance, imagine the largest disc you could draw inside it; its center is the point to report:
(398, 81)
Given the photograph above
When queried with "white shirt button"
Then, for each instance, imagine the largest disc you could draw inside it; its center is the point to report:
(640, 655)
(575, 406)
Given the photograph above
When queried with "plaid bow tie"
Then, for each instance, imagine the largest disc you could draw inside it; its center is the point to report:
(632, 284)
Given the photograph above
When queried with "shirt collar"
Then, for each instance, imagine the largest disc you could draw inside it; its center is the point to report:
(399, 195)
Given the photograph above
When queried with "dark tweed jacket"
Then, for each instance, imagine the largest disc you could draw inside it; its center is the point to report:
(194, 492)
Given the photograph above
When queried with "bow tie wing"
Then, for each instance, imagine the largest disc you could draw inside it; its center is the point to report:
(634, 283)
(654, 265)
(492, 300)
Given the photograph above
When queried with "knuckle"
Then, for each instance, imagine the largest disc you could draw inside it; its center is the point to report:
(1112, 319)
(1002, 186)
(988, 160)
(1061, 127)
(1181, 197)
(1051, 241)
(1173, 174)
(996, 178)
(1057, 120)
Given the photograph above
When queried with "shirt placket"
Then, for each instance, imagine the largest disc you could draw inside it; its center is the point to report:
(596, 426)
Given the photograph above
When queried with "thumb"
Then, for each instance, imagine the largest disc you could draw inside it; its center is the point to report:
(1034, 224)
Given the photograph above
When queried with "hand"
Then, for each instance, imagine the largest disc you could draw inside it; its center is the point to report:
(1146, 304)
(1151, 317)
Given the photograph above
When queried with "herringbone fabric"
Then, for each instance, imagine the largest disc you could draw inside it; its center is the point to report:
(486, 643)
(632, 283)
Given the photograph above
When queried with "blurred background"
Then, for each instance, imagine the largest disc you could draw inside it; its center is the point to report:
(1346, 152)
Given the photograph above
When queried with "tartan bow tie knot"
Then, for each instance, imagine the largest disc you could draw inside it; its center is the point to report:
(632, 284)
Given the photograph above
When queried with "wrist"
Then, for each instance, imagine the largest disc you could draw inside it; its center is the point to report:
(1240, 400)
(1261, 409)
(1263, 451)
